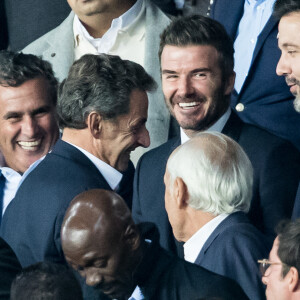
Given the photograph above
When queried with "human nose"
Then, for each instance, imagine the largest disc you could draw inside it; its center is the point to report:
(283, 67)
(185, 86)
(93, 278)
(144, 138)
(29, 126)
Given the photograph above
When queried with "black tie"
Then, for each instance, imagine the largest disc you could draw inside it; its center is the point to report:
(2, 183)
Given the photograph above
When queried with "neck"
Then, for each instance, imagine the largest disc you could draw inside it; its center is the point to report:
(98, 24)
(195, 220)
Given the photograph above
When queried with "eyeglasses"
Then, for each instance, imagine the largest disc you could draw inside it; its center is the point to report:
(264, 264)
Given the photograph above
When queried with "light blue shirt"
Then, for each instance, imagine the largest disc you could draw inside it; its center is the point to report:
(137, 294)
(256, 15)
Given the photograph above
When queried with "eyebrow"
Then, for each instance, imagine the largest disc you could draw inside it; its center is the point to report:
(287, 44)
(166, 71)
(45, 108)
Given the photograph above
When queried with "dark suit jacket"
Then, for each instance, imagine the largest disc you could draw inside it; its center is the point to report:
(9, 268)
(296, 210)
(232, 250)
(162, 276)
(276, 176)
(32, 222)
(266, 96)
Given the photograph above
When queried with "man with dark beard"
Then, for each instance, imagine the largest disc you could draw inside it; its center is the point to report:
(196, 57)
(288, 12)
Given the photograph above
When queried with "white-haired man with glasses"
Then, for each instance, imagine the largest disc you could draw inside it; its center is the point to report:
(280, 273)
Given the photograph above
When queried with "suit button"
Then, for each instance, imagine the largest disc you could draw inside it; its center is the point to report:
(240, 107)
(53, 54)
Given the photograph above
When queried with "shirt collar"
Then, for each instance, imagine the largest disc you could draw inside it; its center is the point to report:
(218, 126)
(111, 175)
(9, 173)
(118, 23)
(194, 244)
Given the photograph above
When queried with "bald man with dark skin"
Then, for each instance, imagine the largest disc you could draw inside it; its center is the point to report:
(101, 242)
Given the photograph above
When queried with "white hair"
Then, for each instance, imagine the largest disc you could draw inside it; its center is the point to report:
(217, 172)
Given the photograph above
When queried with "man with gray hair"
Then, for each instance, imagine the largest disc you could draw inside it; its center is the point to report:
(208, 193)
(102, 106)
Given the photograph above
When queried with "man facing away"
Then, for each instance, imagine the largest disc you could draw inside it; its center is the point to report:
(125, 261)
(288, 12)
(28, 123)
(102, 107)
(127, 28)
(281, 271)
(208, 193)
(197, 78)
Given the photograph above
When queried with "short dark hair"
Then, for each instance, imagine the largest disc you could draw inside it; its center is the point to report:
(17, 68)
(100, 83)
(289, 244)
(197, 31)
(47, 281)
(284, 7)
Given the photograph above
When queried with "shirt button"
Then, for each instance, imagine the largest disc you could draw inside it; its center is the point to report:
(240, 107)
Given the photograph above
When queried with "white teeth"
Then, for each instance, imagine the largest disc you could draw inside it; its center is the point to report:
(183, 104)
(29, 145)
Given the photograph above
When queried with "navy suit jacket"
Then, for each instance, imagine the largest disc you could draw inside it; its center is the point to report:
(162, 276)
(9, 268)
(276, 176)
(32, 222)
(266, 96)
(232, 250)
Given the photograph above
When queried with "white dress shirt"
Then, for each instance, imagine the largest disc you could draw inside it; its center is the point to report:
(194, 244)
(111, 175)
(125, 37)
(218, 126)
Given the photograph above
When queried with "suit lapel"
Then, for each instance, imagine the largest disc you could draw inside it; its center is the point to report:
(230, 12)
(233, 127)
(61, 48)
(263, 35)
(234, 218)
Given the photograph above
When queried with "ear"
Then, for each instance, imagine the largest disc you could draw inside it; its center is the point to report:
(180, 193)
(229, 84)
(94, 123)
(293, 279)
(132, 236)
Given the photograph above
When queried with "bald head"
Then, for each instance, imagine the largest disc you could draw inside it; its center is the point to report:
(100, 240)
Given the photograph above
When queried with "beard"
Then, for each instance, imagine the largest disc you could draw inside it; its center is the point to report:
(297, 103)
(292, 80)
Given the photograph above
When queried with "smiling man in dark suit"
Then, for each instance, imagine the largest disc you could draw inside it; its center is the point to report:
(197, 78)
(102, 107)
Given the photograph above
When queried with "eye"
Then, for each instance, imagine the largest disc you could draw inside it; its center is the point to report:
(199, 75)
(100, 263)
(171, 77)
(13, 118)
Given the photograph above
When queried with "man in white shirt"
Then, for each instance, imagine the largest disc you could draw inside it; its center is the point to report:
(28, 125)
(128, 28)
(102, 108)
(208, 193)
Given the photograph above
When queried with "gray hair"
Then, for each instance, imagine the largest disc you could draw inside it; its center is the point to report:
(101, 83)
(217, 172)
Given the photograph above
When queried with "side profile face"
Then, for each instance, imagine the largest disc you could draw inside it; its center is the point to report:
(86, 8)
(127, 132)
(193, 87)
(277, 287)
(28, 127)
(104, 260)
(289, 44)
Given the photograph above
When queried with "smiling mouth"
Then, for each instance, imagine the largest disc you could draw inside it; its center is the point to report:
(30, 145)
(188, 105)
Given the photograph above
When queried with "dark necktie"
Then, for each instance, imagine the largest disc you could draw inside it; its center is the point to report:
(2, 183)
